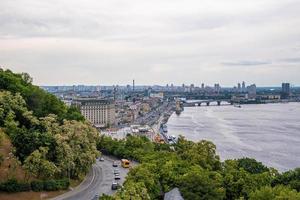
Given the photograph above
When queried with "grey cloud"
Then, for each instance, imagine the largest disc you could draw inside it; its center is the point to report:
(246, 63)
(291, 60)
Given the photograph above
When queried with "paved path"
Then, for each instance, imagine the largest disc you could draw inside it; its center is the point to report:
(98, 181)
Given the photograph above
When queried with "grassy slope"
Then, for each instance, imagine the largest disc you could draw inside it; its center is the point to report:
(11, 168)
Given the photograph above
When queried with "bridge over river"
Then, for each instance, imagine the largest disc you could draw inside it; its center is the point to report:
(207, 102)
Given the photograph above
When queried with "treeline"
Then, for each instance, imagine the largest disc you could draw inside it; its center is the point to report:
(51, 141)
(13, 185)
(197, 171)
(37, 100)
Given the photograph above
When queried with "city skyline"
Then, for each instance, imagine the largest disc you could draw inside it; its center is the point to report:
(170, 85)
(112, 42)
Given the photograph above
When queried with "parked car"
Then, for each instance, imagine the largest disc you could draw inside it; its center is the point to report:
(115, 186)
(117, 177)
(116, 171)
(101, 159)
(115, 164)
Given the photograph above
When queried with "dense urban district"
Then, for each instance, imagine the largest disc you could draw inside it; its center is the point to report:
(115, 140)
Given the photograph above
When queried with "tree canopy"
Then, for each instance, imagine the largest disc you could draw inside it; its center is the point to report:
(50, 139)
(196, 170)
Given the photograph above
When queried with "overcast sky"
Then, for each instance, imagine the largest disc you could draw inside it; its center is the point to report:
(63, 42)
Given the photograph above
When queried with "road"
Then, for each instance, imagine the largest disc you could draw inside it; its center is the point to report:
(98, 181)
(152, 117)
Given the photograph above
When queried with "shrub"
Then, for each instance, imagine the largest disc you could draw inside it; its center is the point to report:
(23, 186)
(37, 186)
(63, 184)
(12, 185)
(50, 185)
(1, 159)
(53, 185)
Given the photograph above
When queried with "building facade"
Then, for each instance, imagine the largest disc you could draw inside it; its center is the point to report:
(100, 112)
(251, 91)
(285, 90)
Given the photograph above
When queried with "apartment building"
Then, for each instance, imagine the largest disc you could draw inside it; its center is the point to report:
(100, 112)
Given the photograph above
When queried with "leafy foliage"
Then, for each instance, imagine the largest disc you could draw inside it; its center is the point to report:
(37, 100)
(200, 184)
(290, 178)
(194, 168)
(38, 165)
(252, 166)
(277, 193)
(12, 185)
(50, 139)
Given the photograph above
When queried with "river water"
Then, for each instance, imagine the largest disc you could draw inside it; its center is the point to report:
(270, 133)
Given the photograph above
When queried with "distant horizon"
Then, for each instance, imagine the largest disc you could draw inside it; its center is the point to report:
(258, 86)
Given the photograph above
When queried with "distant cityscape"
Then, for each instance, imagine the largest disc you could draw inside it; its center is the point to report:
(120, 92)
(116, 107)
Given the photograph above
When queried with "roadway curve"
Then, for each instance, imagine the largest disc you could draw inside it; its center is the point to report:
(98, 181)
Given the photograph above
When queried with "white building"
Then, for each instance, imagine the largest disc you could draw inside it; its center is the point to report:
(251, 91)
(100, 112)
(159, 95)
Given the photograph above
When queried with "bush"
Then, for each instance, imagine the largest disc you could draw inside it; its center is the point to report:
(1, 159)
(63, 184)
(24, 187)
(12, 185)
(53, 185)
(50, 185)
(37, 186)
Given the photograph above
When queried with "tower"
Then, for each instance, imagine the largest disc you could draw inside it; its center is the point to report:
(133, 85)
(243, 86)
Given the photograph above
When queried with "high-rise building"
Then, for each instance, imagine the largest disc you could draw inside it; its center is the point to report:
(243, 86)
(133, 85)
(202, 86)
(217, 87)
(251, 91)
(128, 88)
(192, 87)
(239, 87)
(285, 90)
(100, 112)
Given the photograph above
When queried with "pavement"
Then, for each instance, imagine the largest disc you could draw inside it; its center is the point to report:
(97, 182)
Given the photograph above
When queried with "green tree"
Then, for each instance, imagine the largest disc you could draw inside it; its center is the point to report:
(76, 147)
(200, 184)
(252, 166)
(239, 183)
(145, 173)
(37, 100)
(202, 153)
(38, 165)
(133, 190)
(290, 178)
(277, 193)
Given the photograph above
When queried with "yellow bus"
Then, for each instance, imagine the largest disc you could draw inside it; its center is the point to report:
(125, 163)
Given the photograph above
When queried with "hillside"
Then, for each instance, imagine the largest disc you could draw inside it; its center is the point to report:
(10, 166)
(43, 141)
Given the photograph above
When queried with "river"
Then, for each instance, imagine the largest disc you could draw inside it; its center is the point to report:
(270, 133)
